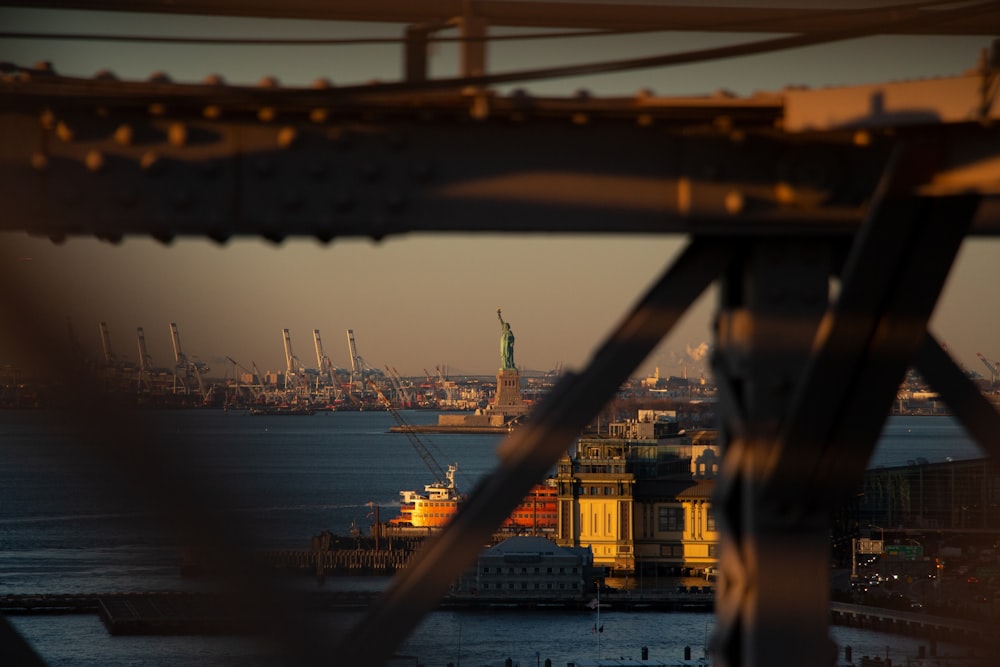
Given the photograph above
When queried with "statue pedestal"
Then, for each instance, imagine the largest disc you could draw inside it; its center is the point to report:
(508, 400)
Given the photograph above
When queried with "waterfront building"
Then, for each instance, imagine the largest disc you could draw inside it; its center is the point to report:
(529, 567)
(641, 497)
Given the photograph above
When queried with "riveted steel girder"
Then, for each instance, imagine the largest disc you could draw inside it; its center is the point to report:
(595, 15)
(807, 390)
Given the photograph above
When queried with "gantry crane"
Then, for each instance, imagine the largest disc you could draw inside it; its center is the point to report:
(110, 361)
(145, 362)
(994, 367)
(294, 373)
(186, 365)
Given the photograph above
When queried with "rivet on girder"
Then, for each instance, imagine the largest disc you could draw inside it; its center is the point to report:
(94, 160)
(39, 161)
(287, 136)
(212, 112)
(480, 108)
(579, 118)
(862, 138)
(177, 135)
(65, 132)
(159, 77)
(267, 114)
(157, 109)
(214, 80)
(319, 115)
(723, 124)
(784, 193)
(734, 202)
(268, 82)
(151, 163)
(124, 135)
(322, 83)
(47, 120)
(644, 120)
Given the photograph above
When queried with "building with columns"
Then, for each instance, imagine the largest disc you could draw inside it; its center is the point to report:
(641, 503)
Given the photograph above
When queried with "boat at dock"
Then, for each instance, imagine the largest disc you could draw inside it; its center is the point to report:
(282, 410)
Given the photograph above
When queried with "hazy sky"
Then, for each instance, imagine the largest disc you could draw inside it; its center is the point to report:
(416, 302)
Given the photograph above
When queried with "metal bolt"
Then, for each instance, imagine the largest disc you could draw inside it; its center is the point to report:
(212, 112)
(579, 118)
(47, 119)
(267, 114)
(65, 132)
(151, 163)
(94, 161)
(287, 136)
(318, 115)
(157, 109)
(177, 135)
(39, 161)
(124, 135)
(734, 202)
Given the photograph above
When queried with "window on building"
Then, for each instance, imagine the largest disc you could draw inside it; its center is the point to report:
(672, 550)
(671, 519)
(486, 570)
(713, 550)
(710, 518)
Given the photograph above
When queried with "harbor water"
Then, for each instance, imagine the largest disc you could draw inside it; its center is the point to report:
(72, 522)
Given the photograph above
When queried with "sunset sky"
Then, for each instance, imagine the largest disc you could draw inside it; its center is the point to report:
(417, 302)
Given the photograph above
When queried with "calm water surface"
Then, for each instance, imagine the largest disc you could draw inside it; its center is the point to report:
(71, 523)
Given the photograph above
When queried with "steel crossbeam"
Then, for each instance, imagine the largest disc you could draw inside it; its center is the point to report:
(807, 394)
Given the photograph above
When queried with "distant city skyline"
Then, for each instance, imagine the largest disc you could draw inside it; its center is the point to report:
(419, 301)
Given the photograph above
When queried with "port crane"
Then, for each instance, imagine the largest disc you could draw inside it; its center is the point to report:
(994, 367)
(145, 362)
(189, 367)
(294, 373)
(110, 361)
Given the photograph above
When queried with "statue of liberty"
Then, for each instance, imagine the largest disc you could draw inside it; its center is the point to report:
(506, 344)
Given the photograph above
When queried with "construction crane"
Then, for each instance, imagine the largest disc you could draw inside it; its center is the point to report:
(418, 444)
(993, 366)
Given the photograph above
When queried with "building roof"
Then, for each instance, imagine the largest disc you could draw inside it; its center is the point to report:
(526, 545)
(702, 489)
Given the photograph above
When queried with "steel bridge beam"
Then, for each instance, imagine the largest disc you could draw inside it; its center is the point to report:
(580, 15)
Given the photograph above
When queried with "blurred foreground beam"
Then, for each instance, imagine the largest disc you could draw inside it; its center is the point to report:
(807, 393)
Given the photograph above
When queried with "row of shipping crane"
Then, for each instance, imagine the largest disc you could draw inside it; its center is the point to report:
(324, 387)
